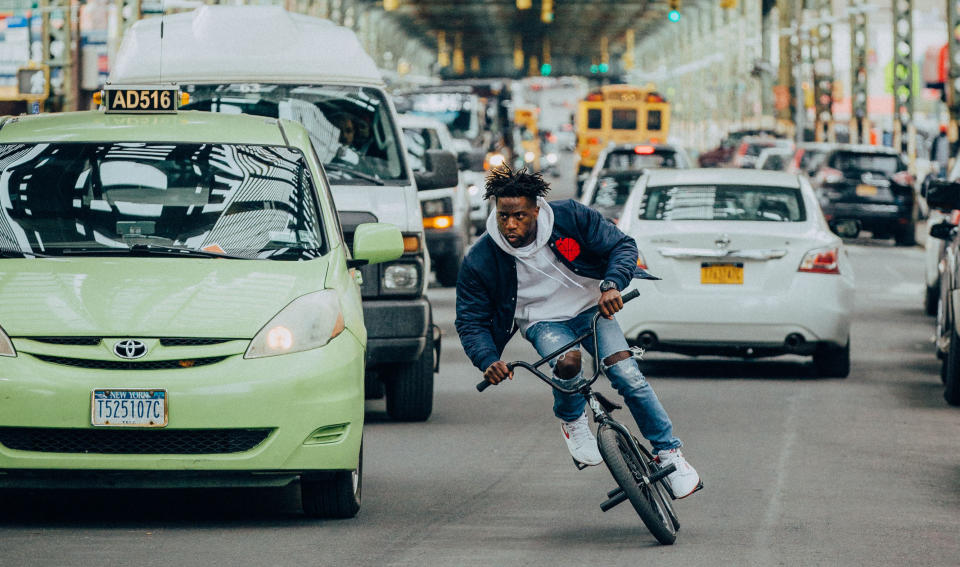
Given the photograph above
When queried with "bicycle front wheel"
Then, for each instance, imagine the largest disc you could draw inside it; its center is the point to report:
(628, 469)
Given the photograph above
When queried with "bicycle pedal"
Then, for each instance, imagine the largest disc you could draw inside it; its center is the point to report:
(582, 466)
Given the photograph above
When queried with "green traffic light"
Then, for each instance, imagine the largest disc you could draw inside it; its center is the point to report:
(674, 16)
(594, 68)
(604, 67)
(545, 69)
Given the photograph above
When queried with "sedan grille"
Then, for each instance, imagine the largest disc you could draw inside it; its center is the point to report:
(132, 441)
(129, 364)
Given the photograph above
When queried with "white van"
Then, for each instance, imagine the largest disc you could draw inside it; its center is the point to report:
(446, 210)
(264, 60)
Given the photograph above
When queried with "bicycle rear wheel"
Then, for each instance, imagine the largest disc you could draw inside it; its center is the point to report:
(628, 469)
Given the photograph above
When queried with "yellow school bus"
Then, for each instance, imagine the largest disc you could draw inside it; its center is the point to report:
(525, 120)
(620, 114)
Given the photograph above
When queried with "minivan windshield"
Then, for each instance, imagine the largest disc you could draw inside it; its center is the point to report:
(350, 127)
(183, 200)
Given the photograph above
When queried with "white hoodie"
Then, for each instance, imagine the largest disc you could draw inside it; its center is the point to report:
(546, 289)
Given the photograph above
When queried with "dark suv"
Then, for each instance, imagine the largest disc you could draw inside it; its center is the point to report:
(867, 188)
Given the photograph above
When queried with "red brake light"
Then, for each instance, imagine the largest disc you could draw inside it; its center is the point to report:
(955, 217)
(830, 175)
(643, 150)
(654, 97)
(595, 96)
(822, 261)
(903, 178)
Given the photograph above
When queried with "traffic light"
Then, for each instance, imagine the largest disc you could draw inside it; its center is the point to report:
(674, 14)
(546, 69)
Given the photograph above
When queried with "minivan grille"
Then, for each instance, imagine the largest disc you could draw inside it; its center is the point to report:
(132, 441)
(72, 341)
(129, 364)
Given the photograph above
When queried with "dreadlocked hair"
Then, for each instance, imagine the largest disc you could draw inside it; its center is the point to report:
(506, 182)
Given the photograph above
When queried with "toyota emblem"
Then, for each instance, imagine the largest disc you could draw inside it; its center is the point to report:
(129, 349)
(722, 242)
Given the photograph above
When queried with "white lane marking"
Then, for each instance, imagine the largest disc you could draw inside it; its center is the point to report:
(763, 550)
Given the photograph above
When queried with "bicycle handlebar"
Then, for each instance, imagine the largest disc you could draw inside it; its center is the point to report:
(483, 385)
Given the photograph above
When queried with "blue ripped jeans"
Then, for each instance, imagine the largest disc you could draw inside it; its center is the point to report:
(625, 375)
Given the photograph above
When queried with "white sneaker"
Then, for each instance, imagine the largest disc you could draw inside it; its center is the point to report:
(580, 441)
(685, 480)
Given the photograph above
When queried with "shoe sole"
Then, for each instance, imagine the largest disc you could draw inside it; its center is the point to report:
(694, 491)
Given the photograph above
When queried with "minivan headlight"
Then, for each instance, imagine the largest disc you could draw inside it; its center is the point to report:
(6, 345)
(308, 322)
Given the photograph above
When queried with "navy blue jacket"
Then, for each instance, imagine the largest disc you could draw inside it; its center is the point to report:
(582, 240)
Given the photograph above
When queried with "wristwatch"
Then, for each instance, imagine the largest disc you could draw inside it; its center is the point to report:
(607, 285)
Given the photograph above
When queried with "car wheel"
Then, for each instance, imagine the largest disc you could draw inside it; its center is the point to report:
(930, 300)
(832, 361)
(906, 235)
(336, 495)
(410, 386)
(951, 374)
(448, 268)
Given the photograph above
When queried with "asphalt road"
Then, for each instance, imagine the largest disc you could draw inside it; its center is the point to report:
(798, 471)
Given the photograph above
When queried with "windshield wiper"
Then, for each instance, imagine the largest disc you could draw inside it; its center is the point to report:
(354, 173)
(149, 250)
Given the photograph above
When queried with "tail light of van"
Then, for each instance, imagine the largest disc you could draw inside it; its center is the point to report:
(821, 261)
(829, 175)
(902, 178)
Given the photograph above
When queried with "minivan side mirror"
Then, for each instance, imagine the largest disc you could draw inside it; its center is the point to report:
(440, 170)
(375, 242)
(471, 160)
(943, 195)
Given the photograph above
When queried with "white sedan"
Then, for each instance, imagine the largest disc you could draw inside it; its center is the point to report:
(749, 268)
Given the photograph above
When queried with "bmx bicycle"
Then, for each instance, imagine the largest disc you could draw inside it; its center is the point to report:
(639, 478)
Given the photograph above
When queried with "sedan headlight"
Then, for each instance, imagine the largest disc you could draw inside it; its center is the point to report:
(308, 322)
(6, 345)
(401, 277)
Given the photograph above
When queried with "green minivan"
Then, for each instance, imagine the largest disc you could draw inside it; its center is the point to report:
(177, 305)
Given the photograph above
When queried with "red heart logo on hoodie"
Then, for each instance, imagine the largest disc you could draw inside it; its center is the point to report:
(568, 248)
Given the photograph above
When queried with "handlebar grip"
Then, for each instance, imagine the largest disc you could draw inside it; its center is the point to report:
(630, 295)
(483, 386)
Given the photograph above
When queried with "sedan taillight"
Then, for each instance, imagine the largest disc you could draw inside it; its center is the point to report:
(830, 175)
(821, 261)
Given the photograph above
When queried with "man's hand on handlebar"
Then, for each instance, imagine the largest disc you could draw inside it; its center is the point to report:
(497, 372)
(610, 302)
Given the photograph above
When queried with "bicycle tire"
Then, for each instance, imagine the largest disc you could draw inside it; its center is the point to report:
(662, 494)
(626, 468)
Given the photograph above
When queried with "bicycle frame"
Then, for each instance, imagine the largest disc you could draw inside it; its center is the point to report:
(599, 406)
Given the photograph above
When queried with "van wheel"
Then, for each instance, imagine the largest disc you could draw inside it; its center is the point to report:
(448, 268)
(951, 370)
(410, 387)
(832, 361)
(334, 496)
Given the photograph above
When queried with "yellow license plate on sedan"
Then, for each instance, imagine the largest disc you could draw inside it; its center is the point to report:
(866, 190)
(721, 274)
